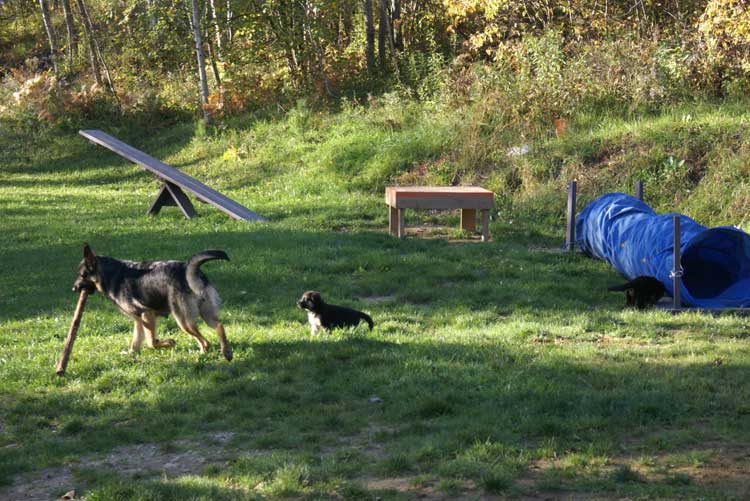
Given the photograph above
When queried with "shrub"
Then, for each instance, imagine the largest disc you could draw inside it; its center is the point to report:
(725, 26)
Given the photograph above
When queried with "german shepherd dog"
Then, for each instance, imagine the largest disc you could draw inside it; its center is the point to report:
(322, 315)
(147, 289)
(641, 292)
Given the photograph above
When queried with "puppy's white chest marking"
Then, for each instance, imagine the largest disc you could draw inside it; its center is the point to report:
(314, 321)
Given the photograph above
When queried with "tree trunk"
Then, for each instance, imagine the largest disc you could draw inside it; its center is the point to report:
(382, 33)
(217, 30)
(370, 35)
(298, 33)
(396, 22)
(88, 31)
(280, 25)
(314, 42)
(72, 36)
(151, 14)
(96, 56)
(322, 68)
(392, 48)
(347, 26)
(195, 22)
(50, 33)
(212, 58)
(229, 23)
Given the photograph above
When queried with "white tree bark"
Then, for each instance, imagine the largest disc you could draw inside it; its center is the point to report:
(217, 30)
(229, 23)
(50, 33)
(72, 37)
(195, 22)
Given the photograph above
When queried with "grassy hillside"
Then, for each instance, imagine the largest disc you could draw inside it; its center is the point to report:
(501, 368)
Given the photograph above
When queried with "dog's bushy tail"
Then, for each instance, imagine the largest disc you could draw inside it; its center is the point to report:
(192, 273)
(367, 319)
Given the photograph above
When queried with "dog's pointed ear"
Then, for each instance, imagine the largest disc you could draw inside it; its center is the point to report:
(89, 256)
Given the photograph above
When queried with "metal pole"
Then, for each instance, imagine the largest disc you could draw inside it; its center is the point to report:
(676, 273)
(639, 190)
(570, 233)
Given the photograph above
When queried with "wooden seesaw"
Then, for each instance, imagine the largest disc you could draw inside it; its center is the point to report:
(68, 348)
(175, 181)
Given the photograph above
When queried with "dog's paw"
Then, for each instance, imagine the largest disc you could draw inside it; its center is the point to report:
(164, 343)
(130, 352)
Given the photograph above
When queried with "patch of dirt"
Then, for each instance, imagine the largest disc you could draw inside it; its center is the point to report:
(434, 232)
(175, 459)
(365, 442)
(547, 250)
(411, 486)
(400, 484)
(151, 460)
(726, 472)
(417, 488)
(43, 485)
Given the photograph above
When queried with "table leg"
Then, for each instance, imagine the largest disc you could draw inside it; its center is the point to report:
(485, 225)
(469, 220)
(401, 224)
(392, 220)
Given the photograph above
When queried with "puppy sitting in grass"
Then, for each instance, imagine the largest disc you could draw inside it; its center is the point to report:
(322, 315)
(641, 292)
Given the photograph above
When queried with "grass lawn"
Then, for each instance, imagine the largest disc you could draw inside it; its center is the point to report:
(501, 369)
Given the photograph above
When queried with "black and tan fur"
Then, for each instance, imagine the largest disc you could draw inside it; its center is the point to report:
(324, 316)
(641, 292)
(145, 290)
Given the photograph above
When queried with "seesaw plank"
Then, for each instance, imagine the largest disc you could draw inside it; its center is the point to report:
(172, 175)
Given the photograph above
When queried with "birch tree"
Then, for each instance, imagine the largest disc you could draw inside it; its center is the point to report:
(382, 33)
(195, 23)
(217, 30)
(50, 33)
(72, 36)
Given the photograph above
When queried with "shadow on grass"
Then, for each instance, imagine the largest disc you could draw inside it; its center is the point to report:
(438, 402)
(270, 266)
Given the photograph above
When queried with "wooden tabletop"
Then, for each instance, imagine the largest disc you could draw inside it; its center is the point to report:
(436, 191)
(439, 197)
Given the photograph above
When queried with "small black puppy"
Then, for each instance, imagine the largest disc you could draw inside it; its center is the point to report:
(641, 292)
(322, 315)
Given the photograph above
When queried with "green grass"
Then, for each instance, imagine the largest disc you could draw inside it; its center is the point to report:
(502, 368)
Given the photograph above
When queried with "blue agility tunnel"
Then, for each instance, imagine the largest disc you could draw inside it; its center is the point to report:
(636, 241)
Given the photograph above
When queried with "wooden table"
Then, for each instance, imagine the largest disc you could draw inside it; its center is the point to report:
(469, 199)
